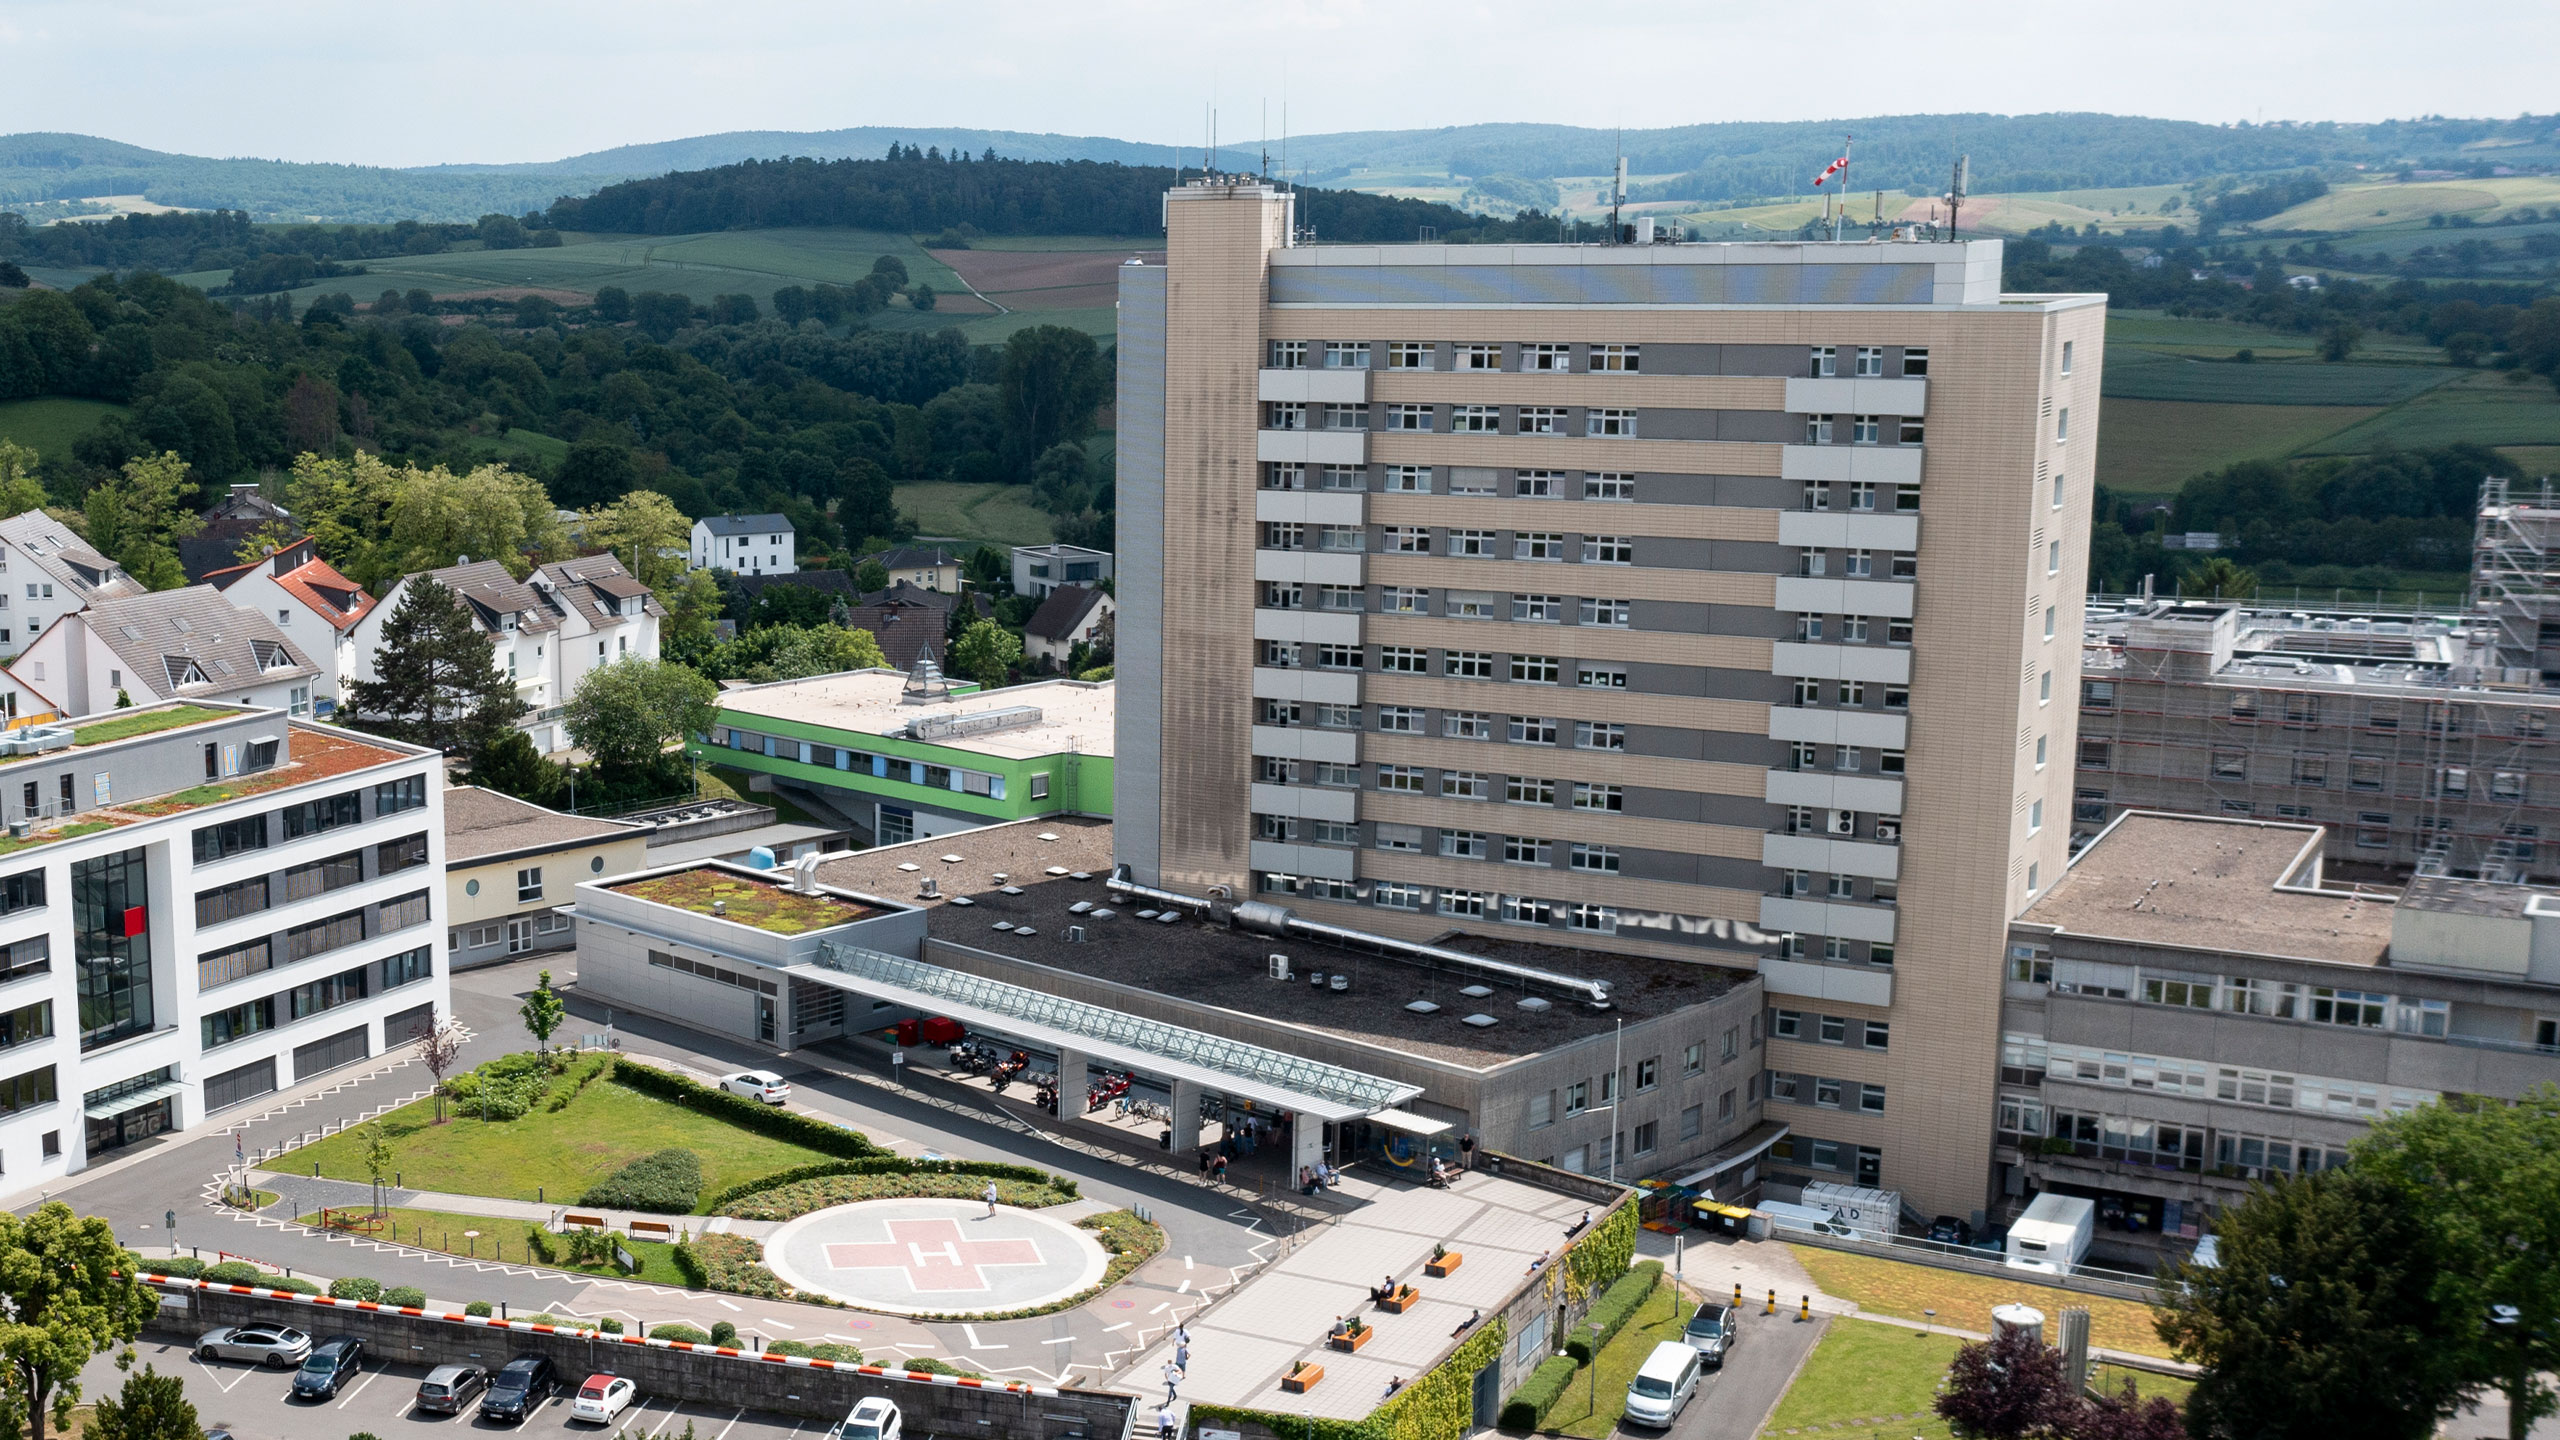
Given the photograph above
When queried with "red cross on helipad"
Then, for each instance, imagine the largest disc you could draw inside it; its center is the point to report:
(935, 1254)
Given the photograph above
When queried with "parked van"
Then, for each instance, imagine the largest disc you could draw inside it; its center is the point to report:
(1668, 1379)
(2053, 1234)
(1787, 1215)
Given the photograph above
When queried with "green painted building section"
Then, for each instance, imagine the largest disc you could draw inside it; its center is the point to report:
(911, 772)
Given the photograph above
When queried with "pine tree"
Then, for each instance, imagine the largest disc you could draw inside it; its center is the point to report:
(437, 683)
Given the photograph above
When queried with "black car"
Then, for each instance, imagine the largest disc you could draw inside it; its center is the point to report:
(519, 1388)
(1948, 1230)
(333, 1363)
(452, 1388)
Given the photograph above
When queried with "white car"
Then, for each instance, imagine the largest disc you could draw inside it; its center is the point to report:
(761, 1085)
(275, 1346)
(602, 1398)
(873, 1419)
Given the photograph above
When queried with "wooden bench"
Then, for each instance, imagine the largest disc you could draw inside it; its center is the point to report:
(590, 1222)
(1302, 1379)
(654, 1229)
(1405, 1298)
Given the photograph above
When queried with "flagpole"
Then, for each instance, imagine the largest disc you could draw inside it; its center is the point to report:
(1847, 143)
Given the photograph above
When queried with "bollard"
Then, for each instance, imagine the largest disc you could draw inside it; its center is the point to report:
(1807, 1312)
(1737, 1295)
(1773, 1304)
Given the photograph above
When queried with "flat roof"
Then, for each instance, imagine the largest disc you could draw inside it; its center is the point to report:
(1075, 715)
(2445, 895)
(1197, 961)
(746, 898)
(2207, 883)
(479, 823)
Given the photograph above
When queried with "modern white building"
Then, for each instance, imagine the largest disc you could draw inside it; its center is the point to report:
(747, 544)
(547, 631)
(314, 606)
(200, 904)
(1039, 569)
(46, 571)
(166, 645)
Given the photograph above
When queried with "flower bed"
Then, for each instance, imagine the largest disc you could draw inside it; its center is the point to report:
(785, 1202)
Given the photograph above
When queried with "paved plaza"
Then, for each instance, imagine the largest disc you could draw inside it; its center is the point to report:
(1241, 1346)
(910, 1257)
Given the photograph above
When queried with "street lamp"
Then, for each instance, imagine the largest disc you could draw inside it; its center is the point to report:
(1592, 1406)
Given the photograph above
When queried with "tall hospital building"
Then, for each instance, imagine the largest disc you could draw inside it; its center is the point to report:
(1718, 603)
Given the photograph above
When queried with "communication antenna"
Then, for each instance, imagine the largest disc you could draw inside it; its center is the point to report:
(1875, 226)
(1618, 191)
(1955, 191)
(1266, 137)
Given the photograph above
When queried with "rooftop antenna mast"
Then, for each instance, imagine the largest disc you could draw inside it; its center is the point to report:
(1618, 190)
(1955, 191)
(1266, 137)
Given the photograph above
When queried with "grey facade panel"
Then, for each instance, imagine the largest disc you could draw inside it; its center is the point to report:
(1136, 799)
(1568, 283)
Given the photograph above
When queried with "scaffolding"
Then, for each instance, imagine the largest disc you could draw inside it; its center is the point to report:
(2515, 575)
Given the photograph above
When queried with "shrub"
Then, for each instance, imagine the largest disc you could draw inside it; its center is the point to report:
(478, 1307)
(355, 1287)
(927, 1365)
(799, 1198)
(289, 1284)
(689, 1266)
(840, 1354)
(180, 1267)
(724, 1333)
(405, 1295)
(678, 1330)
(1615, 1307)
(664, 1181)
(577, 1077)
(537, 1243)
(735, 1263)
(236, 1272)
(1538, 1394)
(753, 1115)
(609, 1325)
(894, 1165)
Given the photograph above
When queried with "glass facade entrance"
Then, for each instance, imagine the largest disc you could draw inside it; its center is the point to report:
(111, 941)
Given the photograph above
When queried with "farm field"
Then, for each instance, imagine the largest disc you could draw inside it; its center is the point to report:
(51, 425)
(2138, 374)
(2151, 447)
(993, 514)
(1039, 279)
(2368, 207)
(2480, 407)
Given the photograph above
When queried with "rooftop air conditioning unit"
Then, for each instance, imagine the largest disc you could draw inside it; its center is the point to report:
(1075, 934)
(1841, 822)
(1279, 965)
(929, 888)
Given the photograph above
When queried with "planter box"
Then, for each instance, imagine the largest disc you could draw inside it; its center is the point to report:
(1443, 1267)
(1405, 1298)
(1352, 1341)
(1304, 1381)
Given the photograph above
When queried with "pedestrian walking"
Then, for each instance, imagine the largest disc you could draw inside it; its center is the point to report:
(1182, 1336)
(991, 1199)
(1182, 1356)
(1167, 1426)
(1218, 1171)
(1204, 1164)
(1172, 1381)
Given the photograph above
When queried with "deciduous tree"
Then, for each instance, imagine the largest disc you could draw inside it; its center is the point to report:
(511, 766)
(627, 713)
(20, 488)
(543, 1011)
(139, 516)
(153, 1407)
(985, 652)
(1050, 378)
(68, 1293)
(2010, 1387)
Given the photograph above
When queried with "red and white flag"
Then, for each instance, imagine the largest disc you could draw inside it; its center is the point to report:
(1834, 168)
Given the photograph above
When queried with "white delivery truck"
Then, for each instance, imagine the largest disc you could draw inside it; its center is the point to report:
(1787, 1215)
(2053, 1234)
(1873, 1214)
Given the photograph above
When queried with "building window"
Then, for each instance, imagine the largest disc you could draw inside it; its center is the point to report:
(111, 947)
(528, 884)
(1871, 1099)
(230, 837)
(406, 793)
(1620, 424)
(1409, 355)
(1608, 550)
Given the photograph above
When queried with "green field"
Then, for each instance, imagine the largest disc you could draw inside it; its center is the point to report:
(49, 426)
(2139, 374)
(519, 443)
(995, 514)
(2367, 207)
(1867, 1374)
(2481, 407)
(2151, 447)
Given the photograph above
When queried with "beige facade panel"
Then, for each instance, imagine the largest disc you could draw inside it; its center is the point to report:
(1588, 642)
(1574, 452)
(1534, 577)
(1670, 522)
(1598, 767)
(1639, 324)
(1610, 390)
(1562, 824)
(1749, 717)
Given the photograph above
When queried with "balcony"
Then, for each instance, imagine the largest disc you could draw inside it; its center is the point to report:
(1832, 595)
(1308, 386)
(1857, 464)
(1887, 664)
(1810, 916)
(1306, 802)
(1824, 854)
(1833, 790)
(1879, 729)
(1852, 395)
(1325, 862)
(1814, 980)
(1848, 530)
(1313, 447)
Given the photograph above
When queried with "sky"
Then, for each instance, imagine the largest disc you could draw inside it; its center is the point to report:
(416, 82)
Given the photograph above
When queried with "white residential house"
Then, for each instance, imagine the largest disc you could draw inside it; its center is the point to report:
(747, 544)
(1071, 615)
(1039, 569)
(925, 567)
(546, 631)
(316, 607)
(46, 571)
(189, 644)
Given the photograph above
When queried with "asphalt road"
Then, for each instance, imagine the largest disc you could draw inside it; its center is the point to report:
(1733, 1400)
(1210, 1238)
(256, 1404)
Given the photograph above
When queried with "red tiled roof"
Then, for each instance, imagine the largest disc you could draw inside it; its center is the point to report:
(335, 598)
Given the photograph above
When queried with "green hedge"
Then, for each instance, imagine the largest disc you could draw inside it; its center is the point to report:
(1613, 1309)
(355, 1287)
(877, 1164)
(176, 1267)
(748, 1114)
(689, 1265)
(241, 1272)
(405, 1295)
(662, 1182)
(1528, 1406)
(678, 1330)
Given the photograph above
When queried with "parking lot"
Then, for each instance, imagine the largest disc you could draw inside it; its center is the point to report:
(256, 1404)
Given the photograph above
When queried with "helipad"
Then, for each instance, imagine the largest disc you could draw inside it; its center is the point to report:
(935, 1256)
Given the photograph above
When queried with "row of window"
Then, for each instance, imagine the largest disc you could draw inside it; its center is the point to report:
(314, 997)
(1458, 480)
(1860, 564)
(1454, 604)
(1787, 1088)
(2303, 710)
(2133, 1140)
(2199, 1080)
(2235, 994)
(1848, 759)
(1576, 1098)
(316, 938)
(1830, 1029)
(1861, 496)
(1863, 430)
(1851, 630)
(1792, 946)
(1528, 358)
(310, 817)
(1864, 1161)
(709, 971)
(885, 767)
(1617, 424)
(1554, 546)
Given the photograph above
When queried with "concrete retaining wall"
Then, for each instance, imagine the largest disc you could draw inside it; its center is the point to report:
(935, 1408)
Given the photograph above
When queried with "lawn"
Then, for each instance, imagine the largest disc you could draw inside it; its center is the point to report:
(51, 425)
(2151, 447)
(767, 907)
(1662, 1318)
(992, 514)
(520, 442)
(451, 1233)
(2137, 374)
(2110, 1379)
(1963, 1299)
(553, 1155)
(1866, 1374)
(2363, 207)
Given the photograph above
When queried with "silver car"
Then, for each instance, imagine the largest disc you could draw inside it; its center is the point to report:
(277, 1347)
